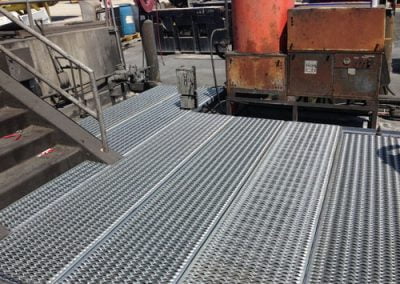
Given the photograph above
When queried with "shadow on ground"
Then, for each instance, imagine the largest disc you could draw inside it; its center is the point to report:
(389, 155)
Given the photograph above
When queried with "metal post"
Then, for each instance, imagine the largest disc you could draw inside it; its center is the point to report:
(99, 109)
(117, 37)
(106, 15)
(29, 11)
(150, 49)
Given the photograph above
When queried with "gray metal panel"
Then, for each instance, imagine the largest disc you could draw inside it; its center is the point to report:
(45, 244)
(131, 107)
(267, 234)
(158, 237)
(359, 236)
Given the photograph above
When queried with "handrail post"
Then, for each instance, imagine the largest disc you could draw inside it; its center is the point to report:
(99, 109)
(29, 11)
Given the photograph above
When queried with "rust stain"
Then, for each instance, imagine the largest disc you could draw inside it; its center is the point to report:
(361, 29)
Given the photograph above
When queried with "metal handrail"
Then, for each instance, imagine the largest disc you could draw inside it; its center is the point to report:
(98, 115)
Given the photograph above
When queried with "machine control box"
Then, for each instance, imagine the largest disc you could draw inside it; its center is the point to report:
(187, 87)
(335, 75)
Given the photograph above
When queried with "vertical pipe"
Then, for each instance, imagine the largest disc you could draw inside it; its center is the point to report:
(150, 49)
(117, 37)
(30, 17)
(259, 27)
(106, 15)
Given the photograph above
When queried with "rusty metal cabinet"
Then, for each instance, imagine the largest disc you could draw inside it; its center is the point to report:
(357, 76)
(354, 76)
(256, 76)
(310, 75)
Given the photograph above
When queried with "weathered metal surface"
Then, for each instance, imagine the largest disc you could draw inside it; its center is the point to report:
(266, 74)
(14, 69)
(259, 27)
(335, 75)
(357, 29)
(357, 76)
(358, 238)
(310, 75)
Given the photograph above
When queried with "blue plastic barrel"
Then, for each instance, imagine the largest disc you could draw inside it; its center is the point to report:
(127, 19)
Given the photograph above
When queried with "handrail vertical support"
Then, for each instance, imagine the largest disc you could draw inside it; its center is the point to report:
(99, 109)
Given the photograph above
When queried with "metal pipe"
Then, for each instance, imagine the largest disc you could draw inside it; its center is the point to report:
(29, 11)
(150, 49)
(212, 61)
(13, 2)
(106, 15)
(117, 38)
(48, 82)
(100, 116)
(227, 22)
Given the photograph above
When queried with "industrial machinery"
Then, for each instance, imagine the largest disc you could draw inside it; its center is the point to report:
(342, 70)
(326, 57)
(257, 67)
(187, 87)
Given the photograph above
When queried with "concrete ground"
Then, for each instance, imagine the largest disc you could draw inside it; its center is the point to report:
(169, 63)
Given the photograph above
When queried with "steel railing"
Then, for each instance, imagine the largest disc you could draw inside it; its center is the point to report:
(74, 64)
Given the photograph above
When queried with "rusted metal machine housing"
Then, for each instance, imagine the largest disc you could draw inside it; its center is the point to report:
(256, 77)
(345, 29)
(335, 58)
(257, 68)
(343, 75)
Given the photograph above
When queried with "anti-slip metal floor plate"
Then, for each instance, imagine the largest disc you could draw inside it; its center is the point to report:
(358, 239)
(153, 242)
(210, 198)
(44, 245)
(267, 233)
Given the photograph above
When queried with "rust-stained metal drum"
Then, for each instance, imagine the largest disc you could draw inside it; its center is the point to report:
(260, 26)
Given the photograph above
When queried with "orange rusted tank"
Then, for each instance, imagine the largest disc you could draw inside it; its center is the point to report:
(259, 26)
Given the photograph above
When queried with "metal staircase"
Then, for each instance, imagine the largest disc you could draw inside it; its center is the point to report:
(38, 142)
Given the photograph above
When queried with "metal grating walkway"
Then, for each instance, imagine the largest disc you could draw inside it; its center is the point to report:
(359, 235)
(204, 198)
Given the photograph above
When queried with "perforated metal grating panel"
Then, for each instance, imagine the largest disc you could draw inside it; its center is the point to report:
(209, 198)
(152, 243)
(156, 96)
(40, 248)
(130, 107)
(267, 234)
(129, 123)
(359, 234)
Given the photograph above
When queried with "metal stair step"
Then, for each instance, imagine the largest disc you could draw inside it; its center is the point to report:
(33, 140)
(12, 120)
(30, 174)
